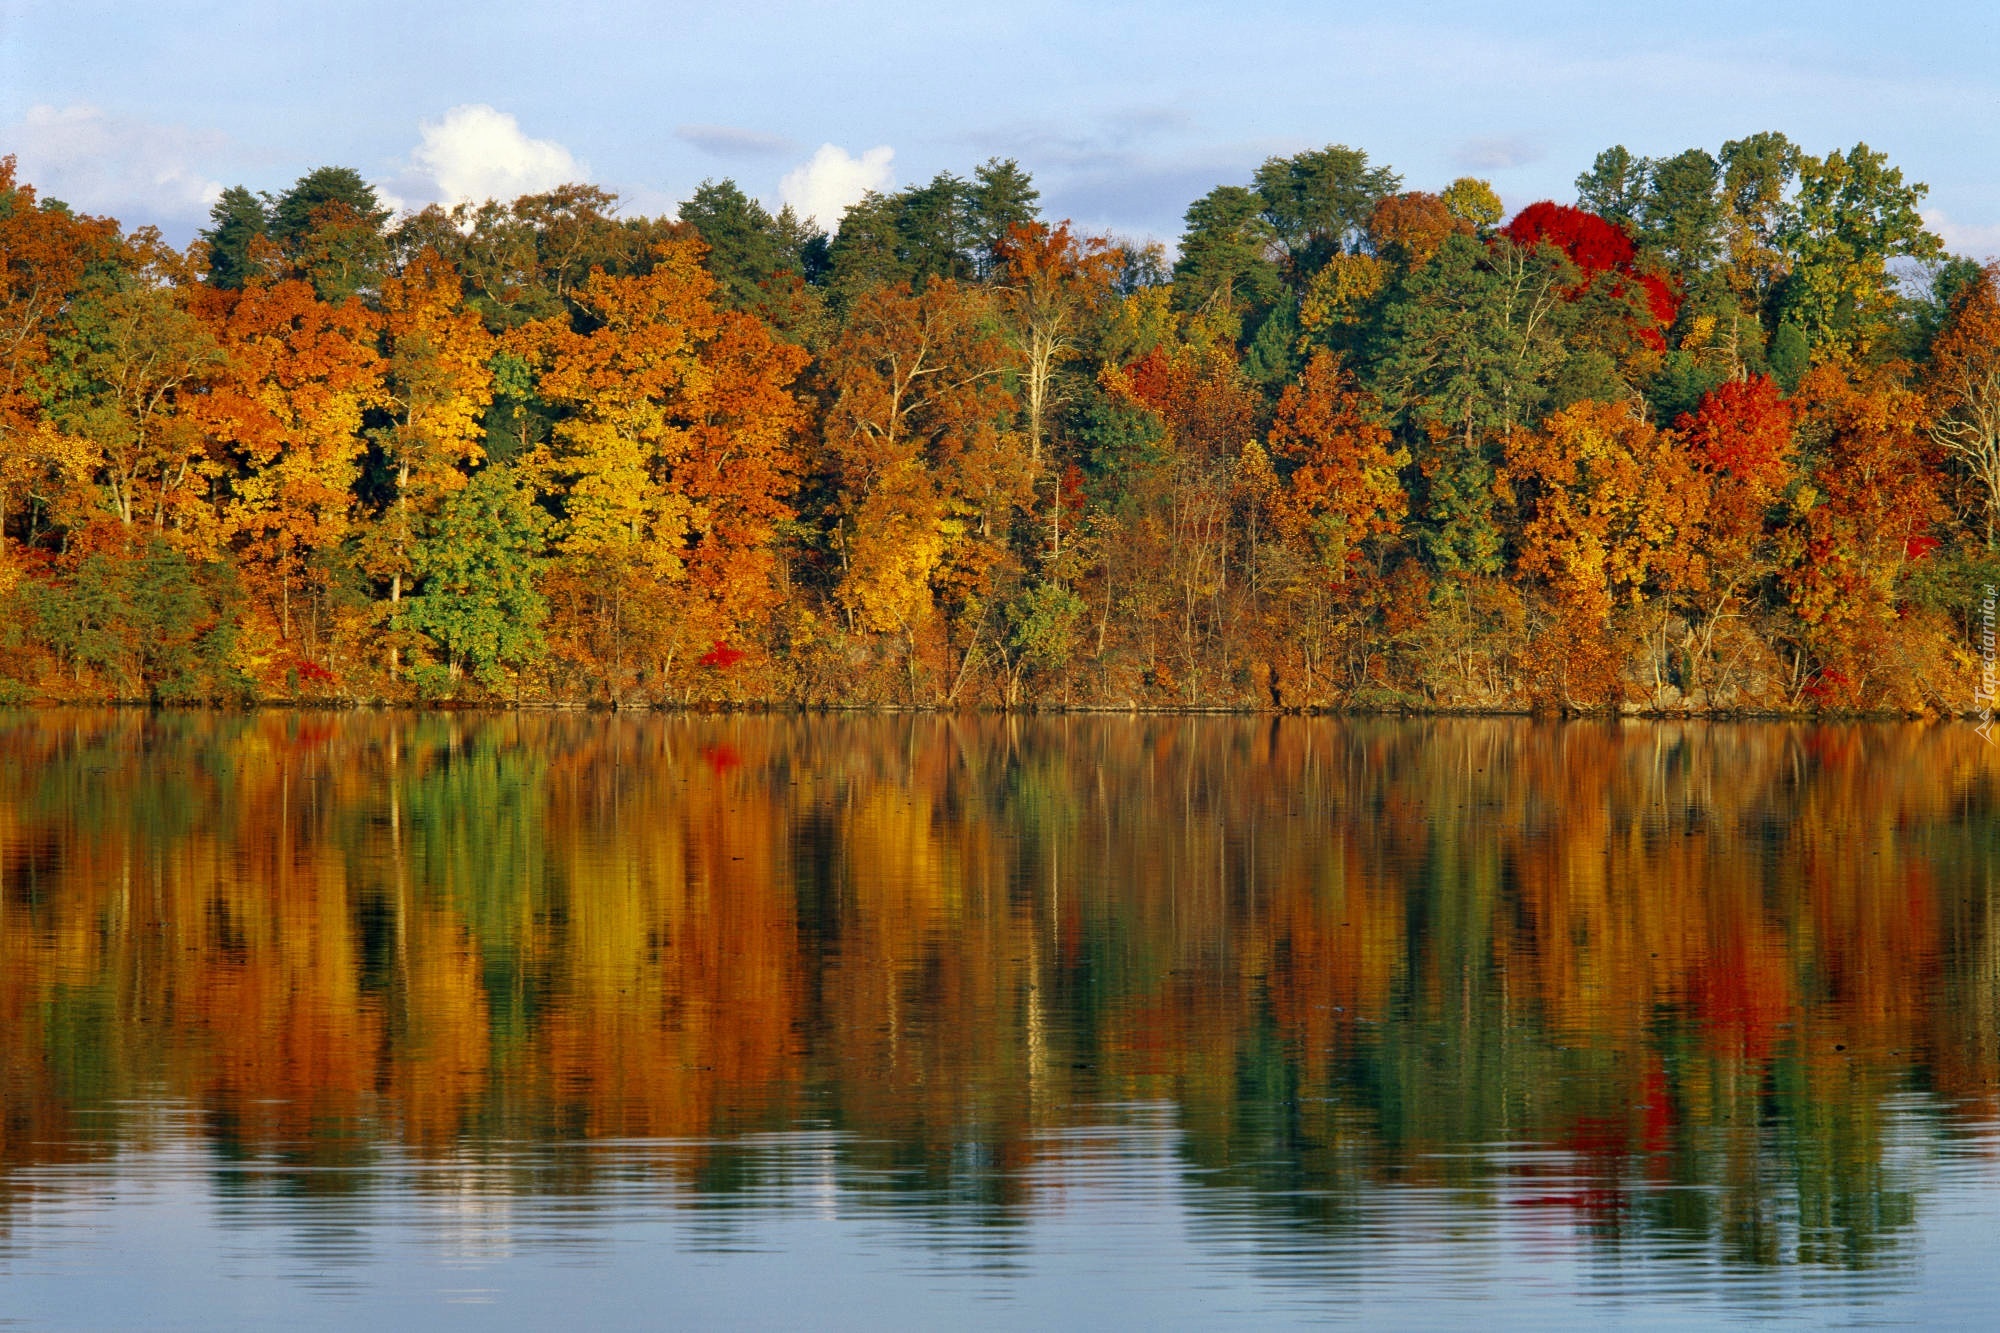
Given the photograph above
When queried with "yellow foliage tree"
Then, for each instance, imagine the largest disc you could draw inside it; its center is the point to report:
(675, 458)
(438, 388)
(928, 474)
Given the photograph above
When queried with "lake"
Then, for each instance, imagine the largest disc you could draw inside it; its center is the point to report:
(514, 1020)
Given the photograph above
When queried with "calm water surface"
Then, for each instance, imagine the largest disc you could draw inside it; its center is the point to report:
(496, 1022)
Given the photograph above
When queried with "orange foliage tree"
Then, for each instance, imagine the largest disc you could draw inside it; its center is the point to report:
(1607, 501)
(1342, 488)
(1866, 516)
(1341, 492)
(1408, 228)
(44, 252)
(300, 376)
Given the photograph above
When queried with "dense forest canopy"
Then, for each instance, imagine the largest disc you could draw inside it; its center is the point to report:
(1721, 432)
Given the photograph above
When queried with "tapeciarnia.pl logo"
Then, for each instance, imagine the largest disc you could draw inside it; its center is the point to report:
(1987, 674)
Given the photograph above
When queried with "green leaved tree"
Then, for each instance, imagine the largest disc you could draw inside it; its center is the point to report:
(477, 601)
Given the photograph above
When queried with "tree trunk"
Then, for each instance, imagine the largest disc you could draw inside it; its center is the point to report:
(402, 553)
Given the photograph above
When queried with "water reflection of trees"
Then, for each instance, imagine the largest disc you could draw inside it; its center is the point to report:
(1726, 959)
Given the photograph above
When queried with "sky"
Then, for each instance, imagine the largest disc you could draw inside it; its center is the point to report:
(1124, 113)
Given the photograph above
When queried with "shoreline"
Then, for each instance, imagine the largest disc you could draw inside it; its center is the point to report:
(768, 709)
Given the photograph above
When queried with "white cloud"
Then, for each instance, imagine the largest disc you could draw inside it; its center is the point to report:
(477, 153)
(1965, 238)
(98, 162)
(822, 188)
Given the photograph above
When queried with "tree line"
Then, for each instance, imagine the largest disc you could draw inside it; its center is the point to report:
(1721, 433)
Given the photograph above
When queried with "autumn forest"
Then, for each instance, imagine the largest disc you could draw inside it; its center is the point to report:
(1720, 433)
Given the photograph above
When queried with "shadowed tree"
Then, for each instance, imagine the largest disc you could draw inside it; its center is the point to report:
(1757, 178)
(329, 227)
(1615, 186)
(1002, 196)
(1225, 264)
(1681, 212)
(1469, 348)
(238, 236)
(755, 256)
(1318, 203)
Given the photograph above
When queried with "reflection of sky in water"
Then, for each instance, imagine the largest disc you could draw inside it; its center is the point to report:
(1115, 1234)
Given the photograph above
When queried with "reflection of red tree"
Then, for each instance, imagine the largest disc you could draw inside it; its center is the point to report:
(1742, 990)
(1597, 1148)
(1601, 1146)
(720, 758)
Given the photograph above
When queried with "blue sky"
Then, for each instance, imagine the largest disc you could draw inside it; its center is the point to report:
(1123, 112)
